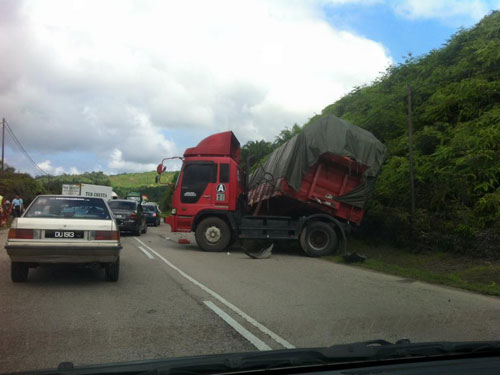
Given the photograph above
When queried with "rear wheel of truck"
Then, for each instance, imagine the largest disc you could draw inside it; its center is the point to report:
(213, 234)
(319, 239)
(19, 272)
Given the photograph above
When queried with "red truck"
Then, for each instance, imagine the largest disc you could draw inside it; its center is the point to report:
(310, 189)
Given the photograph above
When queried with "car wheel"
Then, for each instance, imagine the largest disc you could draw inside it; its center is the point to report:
(112, 270)
(319, 239)
(19, 272)
(213, 234)
(158, 222)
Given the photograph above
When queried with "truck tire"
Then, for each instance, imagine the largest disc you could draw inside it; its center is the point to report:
(319, 239)
(112, 270)
(213, 234)
(19, 272)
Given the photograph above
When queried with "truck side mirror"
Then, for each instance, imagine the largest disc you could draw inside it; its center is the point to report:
(160, 168)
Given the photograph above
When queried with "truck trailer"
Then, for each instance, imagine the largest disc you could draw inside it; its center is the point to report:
(88, 190)
(311, 189)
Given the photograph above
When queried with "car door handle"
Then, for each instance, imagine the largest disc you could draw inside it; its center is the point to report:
(206, 196)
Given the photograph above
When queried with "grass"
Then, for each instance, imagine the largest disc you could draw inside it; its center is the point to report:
(434, 267)
(135, 180)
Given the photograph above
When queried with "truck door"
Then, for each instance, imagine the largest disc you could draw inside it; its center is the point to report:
(197, 187)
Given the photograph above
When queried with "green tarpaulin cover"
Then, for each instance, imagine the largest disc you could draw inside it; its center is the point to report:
(327, 134)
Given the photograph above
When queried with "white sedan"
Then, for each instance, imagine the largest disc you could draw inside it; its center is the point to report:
(64, 229)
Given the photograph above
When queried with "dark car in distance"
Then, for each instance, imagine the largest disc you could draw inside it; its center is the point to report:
(129, 216)
(152, 213)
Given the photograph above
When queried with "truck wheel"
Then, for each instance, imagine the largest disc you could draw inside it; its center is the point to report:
(213, 234)
(319, 239)
(19, 272)
(112, 270)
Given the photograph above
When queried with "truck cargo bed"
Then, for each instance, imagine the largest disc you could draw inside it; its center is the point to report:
(331, 177)
(331, 166)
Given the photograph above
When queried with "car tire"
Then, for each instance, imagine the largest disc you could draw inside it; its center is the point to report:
(138, 231)
(19, 272)
(112, 270)
(319, 239)
(213, 234)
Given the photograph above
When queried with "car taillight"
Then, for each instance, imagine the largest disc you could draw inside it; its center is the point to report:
(107, 235)
(133, 215)
(21, 234)
(154, 214)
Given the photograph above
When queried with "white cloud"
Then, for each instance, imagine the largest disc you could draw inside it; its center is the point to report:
(95, 77)
(47, 167)
(116, 162)
(455, 11)
(74, 170)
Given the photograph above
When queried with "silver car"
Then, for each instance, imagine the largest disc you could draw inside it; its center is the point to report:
(64, 229)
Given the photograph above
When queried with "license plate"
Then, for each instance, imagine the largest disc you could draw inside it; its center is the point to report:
(120, 216)
(64, 234)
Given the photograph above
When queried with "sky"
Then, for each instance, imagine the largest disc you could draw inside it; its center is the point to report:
(118, 85)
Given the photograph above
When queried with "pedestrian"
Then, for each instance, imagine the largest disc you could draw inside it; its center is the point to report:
(17, 206)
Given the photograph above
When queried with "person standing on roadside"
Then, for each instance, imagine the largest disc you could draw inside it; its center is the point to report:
(17, 206)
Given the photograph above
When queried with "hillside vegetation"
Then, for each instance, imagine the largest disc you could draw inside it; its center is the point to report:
(133, 180)
(456, 119)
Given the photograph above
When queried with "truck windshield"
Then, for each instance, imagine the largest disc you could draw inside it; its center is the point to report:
(69, 208)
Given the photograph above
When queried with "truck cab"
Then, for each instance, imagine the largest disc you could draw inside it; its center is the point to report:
(210, 185)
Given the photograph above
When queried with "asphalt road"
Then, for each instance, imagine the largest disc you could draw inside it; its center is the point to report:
(174, 300)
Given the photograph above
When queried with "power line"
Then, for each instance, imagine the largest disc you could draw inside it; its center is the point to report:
(20, 146)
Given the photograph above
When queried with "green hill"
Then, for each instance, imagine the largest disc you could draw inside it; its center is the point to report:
(145, 183)
(456, 117)
(134, 180)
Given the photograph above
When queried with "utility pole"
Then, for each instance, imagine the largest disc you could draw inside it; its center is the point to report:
(3, 143)
(410, 149)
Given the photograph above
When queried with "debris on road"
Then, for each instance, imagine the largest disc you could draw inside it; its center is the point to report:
(264, 253)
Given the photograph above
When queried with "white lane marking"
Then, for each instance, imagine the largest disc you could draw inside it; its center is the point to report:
(146, 252)
(248, 318)
(259, 344)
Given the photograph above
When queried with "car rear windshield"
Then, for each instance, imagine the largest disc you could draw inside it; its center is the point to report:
(129, 206)
(148, 208)
(69, 208)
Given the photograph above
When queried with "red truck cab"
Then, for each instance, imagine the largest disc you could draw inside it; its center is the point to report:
(210, 180)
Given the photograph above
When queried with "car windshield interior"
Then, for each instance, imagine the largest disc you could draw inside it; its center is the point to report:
(65, 207)
(120, 205)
